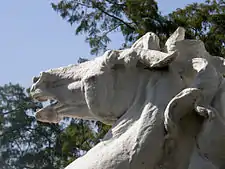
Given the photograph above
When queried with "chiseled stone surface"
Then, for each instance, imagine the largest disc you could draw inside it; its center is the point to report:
(165, 105)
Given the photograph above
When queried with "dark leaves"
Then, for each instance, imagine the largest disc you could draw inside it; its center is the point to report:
(97, 19)
(204, 21)
(26, 143)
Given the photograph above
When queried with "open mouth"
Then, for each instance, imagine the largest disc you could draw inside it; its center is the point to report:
(42, 98)
(49, 111)
(47, 102)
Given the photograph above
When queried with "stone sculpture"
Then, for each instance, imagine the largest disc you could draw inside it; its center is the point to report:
(165, 105)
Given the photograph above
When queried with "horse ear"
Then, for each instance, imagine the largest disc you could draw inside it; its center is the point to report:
(148, 41)
(111, 58)
(178, 35)
(148, 50)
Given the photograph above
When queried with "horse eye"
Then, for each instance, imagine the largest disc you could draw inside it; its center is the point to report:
(35, 79)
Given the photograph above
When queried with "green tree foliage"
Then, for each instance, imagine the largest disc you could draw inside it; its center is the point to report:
(79, 137)
(98, 18)
(133, 18)
(26, 143)
(205, 21)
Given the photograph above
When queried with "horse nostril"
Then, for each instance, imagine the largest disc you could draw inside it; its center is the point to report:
(35, 79)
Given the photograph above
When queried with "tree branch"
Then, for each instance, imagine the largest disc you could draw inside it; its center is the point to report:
(8, 112)
(18, 146)
(110, 30)
(114, 3)
(18, 108)
(112, 16)
(106, 13)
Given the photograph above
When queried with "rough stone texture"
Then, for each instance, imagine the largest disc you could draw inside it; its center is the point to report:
(165, 106)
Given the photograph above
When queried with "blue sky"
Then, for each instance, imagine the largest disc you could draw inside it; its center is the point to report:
(33, 38)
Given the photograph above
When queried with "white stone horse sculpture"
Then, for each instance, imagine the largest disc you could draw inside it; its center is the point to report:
(158, 101)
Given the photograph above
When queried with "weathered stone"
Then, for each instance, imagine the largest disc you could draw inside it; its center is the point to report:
(166, 106)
